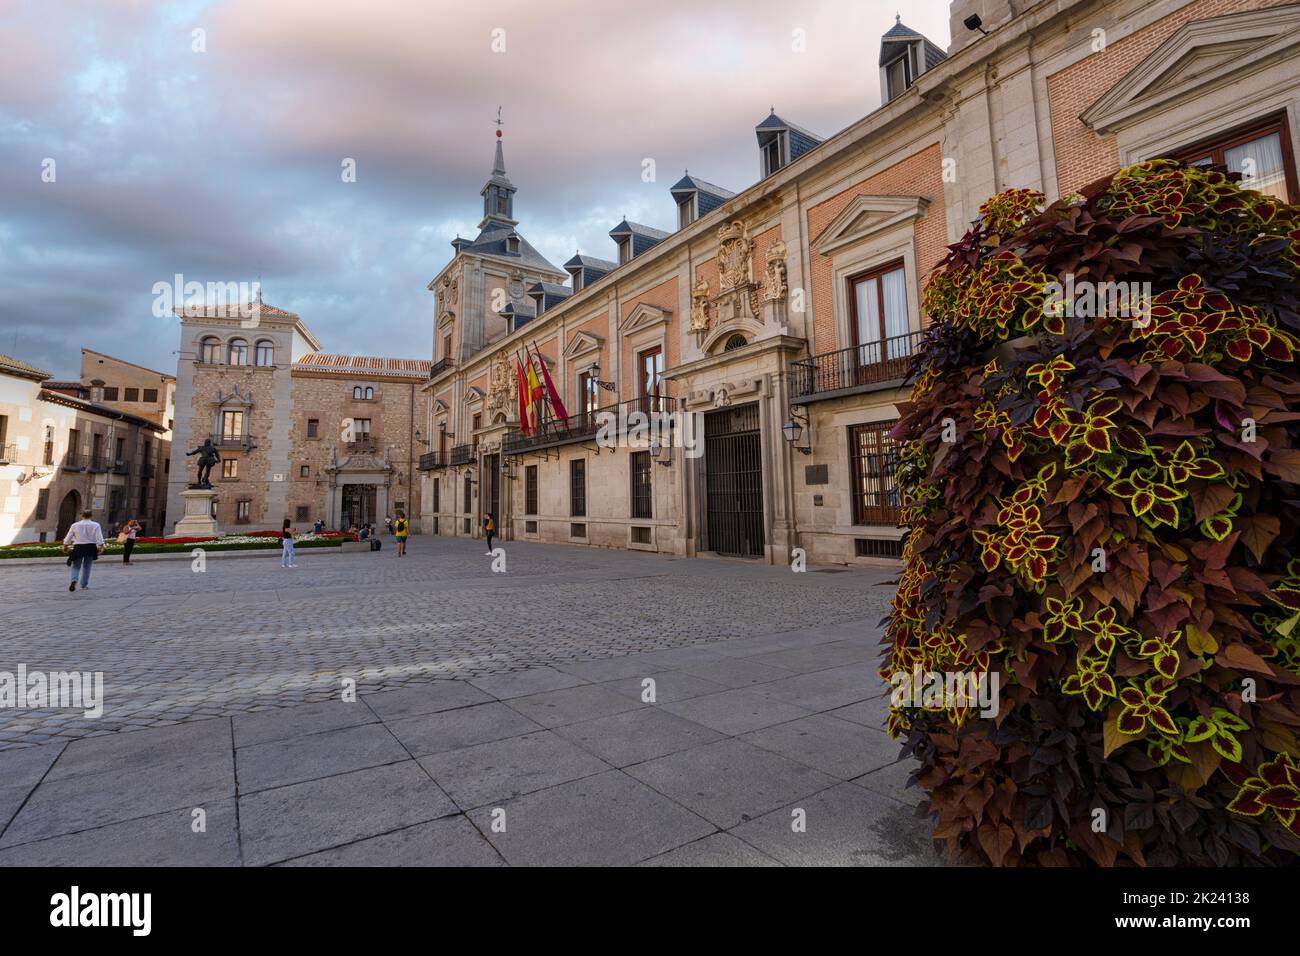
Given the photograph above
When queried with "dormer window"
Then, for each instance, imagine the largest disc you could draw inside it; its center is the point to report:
(686, 212)
(774, 154)
(899, 75)
(576, 274)
(512, 245)
(624, 250)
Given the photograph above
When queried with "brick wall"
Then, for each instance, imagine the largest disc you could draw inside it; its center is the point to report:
(920, 174)
(1081, 155)
(664, 296)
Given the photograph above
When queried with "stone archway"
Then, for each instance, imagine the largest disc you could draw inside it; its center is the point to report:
(69, 512)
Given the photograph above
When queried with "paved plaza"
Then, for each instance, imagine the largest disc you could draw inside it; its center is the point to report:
(584, 707)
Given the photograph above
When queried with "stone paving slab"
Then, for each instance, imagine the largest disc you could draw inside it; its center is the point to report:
(469, 742)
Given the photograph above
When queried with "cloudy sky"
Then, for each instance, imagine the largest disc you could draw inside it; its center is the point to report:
(224, 164)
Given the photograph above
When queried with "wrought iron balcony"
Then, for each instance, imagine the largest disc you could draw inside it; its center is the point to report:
(147, 470)
(232, 441)
(431, 460)
(462, 454)
(73, 462)
(362, 444)
(441, 366)
(98, 463)
(121, 468)
(584, 426)
(7, 453)
(861, 368)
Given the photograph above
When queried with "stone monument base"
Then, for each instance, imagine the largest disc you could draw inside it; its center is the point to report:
(198, 520)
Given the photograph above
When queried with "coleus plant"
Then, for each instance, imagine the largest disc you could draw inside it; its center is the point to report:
(1103, 507)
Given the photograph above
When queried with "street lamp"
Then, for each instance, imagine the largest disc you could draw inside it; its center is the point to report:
(792, 430)
(594, 372)
(657, 453)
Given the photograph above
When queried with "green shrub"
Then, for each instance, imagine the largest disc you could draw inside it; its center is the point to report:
(1103, 510)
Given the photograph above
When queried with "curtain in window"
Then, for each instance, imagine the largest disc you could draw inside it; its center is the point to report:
(1260, 163)
(868, 311)
(894, 289)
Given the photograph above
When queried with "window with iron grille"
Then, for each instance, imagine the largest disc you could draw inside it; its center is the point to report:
(641, 491)
(469, 495)
(873, 460)
(437, 495)
(530, 490)
(150, 395)
(301, 513)
(42, 504)
(578, 487)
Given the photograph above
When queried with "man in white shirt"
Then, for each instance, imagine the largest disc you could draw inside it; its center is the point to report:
(85, 539)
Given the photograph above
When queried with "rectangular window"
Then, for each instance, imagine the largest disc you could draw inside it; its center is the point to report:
(243, 508)
(48, 457)
(42, 504)
(772, 154)
(131, 395)
(588, 393)
(232, 426)
(304, 471)
(475, 425)
(437, 495)
(230, 468)
(74, 448)
(446, 346)
(578, 487)
(650, 371)
(686, 211)
(150, 395)
(4, 431)
(119, 451)
(899, 76)
(642, 506)
(530, 490)
(1261, 152)
(469, 497)
(110, 393)
(313, 428)
(97, 451)
(361, 427)
(263, 355)
(873, 465)
(302, 513)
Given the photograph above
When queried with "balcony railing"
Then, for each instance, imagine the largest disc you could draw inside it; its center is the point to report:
(462, 454)
(147, 470)
(98, 463)
(441, 366)
(232, 441)
(856, 369)
(121, 468)
(433, 459)
(585, 425)
(73, 462)
(361, 444)
(7, 453)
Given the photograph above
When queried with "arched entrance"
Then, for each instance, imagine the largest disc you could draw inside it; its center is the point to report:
(69, 511)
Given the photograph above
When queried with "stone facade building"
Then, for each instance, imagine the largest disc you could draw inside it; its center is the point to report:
(780, 317)
(66, 447)
(302, 434)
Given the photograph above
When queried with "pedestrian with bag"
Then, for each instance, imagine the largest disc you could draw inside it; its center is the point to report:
(126, 538)
(489, 529)
(85, 539)
(286, 546)
(401, 528)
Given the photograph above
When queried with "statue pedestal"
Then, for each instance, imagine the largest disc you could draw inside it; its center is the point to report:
(198, 520)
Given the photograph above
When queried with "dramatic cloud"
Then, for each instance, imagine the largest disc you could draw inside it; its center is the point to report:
(224, 165)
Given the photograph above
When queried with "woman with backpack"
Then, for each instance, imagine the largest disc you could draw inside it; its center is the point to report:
(401, 528)
(286, 546)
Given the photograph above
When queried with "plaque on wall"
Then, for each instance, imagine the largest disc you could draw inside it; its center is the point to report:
(816, 474)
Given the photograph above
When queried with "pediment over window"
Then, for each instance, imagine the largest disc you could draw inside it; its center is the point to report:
(439, 406)
(581, 344)
(1200, 55)
(868, 216)
(447, 319)
(644, 316)
(474, 394)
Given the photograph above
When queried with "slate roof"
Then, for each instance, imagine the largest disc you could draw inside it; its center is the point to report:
(591, 264)
(492, 242)
(899, 36)
(643, 236)
(801, 140)
(708, 196)
(363, 364)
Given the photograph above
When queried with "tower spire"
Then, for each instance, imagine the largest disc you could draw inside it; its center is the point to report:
(498, 193)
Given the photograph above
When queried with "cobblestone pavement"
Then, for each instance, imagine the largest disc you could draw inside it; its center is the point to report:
(587, 707)
(246, 635)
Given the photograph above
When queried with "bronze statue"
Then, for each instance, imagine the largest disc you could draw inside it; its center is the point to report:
(208, 456)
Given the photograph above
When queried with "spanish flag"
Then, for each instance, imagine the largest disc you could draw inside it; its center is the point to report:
(525, 419)
(536, 393)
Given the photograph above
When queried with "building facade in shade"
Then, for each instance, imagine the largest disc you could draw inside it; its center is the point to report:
(302, 434)
(783, 314)
(65, 448)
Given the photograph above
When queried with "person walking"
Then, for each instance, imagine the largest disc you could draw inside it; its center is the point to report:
(489, 529)
(85, 539)
(127, 536)
(286, 546)
(401, 528)
(388, 524)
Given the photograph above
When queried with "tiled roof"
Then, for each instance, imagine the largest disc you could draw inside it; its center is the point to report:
(222, 310)
(71, 401)
(362, 364)
(18, 367)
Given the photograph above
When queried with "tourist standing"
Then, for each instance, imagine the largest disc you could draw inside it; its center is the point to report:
(489, 529)
(131, 530)
(318, 526)
(286, 546)
(401, 528)
(86, 541)
(388, 524)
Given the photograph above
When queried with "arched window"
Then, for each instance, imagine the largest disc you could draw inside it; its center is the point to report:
(238, 352)
(357, 393)
(370, 393)
(210, 350)
(735, 342)
(264, 353)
